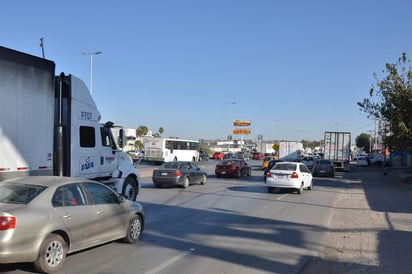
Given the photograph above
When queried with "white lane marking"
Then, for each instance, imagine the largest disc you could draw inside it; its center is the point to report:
(170, 262)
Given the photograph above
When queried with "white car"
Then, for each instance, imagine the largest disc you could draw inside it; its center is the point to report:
(292, 175)
(362, 161)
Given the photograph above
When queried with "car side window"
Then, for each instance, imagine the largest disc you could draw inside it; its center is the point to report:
(303, 168)
(101, 194)
(69, 195)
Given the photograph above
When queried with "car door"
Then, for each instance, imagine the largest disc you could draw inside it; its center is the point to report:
(307, 176)
(70, 203)
(193, 170)
(112, 218)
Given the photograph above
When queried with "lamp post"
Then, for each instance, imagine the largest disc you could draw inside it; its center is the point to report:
(230, 123)
(91, 67)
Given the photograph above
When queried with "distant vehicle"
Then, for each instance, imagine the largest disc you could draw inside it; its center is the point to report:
(291, 175)
(309, 161)
(203, 156)
(266, 161)
(179, 173)
(241, 155)
(337, 149)
(135, 154)
(228, 155)
(323, 168)
(218, 155)
(257, 156)
(291, 151)
(162, 150)
(362, 161)
(233, 168)
(44, 218)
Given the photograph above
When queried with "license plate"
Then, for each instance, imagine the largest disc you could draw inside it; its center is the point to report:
(223, 172)
(164, 174)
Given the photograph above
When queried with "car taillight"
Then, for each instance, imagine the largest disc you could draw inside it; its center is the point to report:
(178, 173)
(268, 174)
(7, 222)
(294, 175)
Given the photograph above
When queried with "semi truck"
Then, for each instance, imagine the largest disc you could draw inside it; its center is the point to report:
(50, 125)
(290, 151)
(337, 149)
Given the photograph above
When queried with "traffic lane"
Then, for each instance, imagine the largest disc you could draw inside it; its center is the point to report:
(228, 225)
(233, 223)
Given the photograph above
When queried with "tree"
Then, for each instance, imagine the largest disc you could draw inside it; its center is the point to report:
(161, 130)
(390, 101)
(142, 131)
(138, 145)
(363, 141)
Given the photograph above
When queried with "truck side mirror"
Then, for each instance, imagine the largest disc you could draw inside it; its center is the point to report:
(121, 138)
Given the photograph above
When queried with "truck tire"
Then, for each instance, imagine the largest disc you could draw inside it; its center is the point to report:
(134, 230)
(130, 189)
(52, 254)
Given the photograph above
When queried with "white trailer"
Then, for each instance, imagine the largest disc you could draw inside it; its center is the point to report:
(50, 125)
(337, 149)
(290, 150)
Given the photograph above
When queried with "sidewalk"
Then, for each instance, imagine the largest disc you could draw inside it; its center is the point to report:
(371, 229)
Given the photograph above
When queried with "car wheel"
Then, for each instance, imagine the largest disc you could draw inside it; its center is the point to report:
(270, 189)
(185, 182)
(332, 175)
(249, 172)
(300, 189)
(204, 179)
(237, 174)
(310, 187)
(158, 185)
(134, 230)
(52, 254)
(130, 189)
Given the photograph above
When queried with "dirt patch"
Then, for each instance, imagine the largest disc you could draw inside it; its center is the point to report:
(368, 229)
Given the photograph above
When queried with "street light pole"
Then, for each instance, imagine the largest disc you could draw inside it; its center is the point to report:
(91, 67)
(230, 123)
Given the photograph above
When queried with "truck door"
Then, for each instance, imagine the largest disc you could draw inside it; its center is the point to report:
(108, 153)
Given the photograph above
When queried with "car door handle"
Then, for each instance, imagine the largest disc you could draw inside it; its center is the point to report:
(67, 216)
(100, 213)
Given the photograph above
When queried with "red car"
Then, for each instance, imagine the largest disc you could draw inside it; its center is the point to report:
(233, 168)
(257, 156)
(218, 155)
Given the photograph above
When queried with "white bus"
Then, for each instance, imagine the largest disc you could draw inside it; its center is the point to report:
(167, 149)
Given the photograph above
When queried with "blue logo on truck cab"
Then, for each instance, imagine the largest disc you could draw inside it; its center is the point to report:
(88, 163)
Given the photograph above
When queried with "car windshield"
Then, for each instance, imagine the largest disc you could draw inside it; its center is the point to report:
(17, 193)
(282, 166)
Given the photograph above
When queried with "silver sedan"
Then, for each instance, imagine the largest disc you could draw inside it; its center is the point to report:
(43, 218)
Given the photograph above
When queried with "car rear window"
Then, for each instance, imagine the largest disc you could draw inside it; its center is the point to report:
(283, 166)
(324, 162)
(17, 193)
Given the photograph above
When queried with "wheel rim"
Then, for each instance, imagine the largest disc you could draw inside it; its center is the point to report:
(54, 254)
(135, 228)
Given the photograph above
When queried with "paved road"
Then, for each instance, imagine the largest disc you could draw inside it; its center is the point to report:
(225, 226)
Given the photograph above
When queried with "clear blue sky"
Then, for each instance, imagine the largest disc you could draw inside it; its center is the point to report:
(294, 68)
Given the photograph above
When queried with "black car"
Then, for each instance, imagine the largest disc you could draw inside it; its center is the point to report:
(203, 156)
(323, 168)
(179, 173)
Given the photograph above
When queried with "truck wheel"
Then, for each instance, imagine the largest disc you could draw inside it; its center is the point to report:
(130, 188)
(134, 230)
(52, 254)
